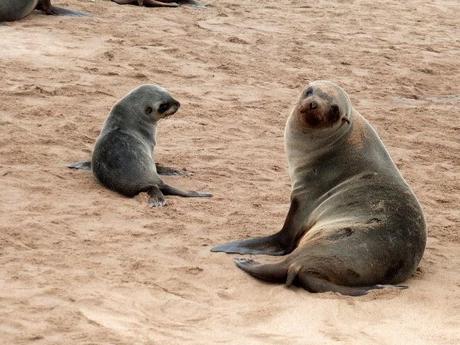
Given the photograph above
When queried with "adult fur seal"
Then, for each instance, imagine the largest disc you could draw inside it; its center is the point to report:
(123, 155)
(353, 222)
(156, 3)
(16, 9)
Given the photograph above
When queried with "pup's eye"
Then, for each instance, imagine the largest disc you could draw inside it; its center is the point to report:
(148, 110)
(163, 107)
(309, 92)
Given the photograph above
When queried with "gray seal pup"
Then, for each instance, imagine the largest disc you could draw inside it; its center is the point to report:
(16, 9)
(156, 3)
(122, 159)
(353, 224)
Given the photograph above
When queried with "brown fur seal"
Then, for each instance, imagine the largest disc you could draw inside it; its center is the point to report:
(353, 223)
(16, 9)
(155, 3)
(123, 155)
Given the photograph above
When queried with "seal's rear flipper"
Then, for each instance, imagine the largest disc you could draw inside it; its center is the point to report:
(314, 284)
(45, 7)
(280, 272)
(83, 165)
(155, 3)
(169, 190)
(191, 3)
(269, 245)
(274, 273)
(160, 3)
(65, 12)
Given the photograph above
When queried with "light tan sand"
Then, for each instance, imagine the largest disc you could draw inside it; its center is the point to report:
(82, 265)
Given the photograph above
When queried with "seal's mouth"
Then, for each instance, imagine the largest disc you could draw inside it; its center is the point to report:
(171, 111)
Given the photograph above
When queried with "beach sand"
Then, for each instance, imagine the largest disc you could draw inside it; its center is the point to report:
(80, 264)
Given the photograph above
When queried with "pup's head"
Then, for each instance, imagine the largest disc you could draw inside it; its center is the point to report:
(150, 102)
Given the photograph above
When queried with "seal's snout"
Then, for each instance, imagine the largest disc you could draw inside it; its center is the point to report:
(308, 106)
(310, 112)
(315, 112)
(176, 104)
(169, 108)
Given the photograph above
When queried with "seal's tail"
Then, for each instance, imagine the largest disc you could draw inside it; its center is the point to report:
(289, 273)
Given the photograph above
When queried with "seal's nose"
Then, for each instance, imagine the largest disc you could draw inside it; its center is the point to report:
(313, 105)
(176, 104)
(172, 106)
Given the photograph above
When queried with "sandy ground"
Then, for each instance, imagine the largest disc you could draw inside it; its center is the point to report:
(80, 264)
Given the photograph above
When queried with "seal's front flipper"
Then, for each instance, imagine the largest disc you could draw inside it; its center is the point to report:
(157, 198)
(168, 190)
(167, 171)
(83, 165)
(270, 245)
(314, 284)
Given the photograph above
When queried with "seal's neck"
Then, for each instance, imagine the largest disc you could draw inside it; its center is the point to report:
(305, 147)
(121, 118)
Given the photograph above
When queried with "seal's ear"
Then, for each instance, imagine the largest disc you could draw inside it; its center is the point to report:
(148, 110)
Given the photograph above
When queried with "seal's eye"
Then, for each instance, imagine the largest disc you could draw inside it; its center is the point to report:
(308, 92)
(163, 107)
(334, 113)
(335, 109)
(148, 110)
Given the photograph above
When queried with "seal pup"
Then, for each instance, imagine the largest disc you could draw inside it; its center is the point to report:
(353, 223)
(156, 3)
(122, 159)
(16, 9)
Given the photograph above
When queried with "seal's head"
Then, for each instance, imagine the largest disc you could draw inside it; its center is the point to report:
(323, 104)
(149, 102)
